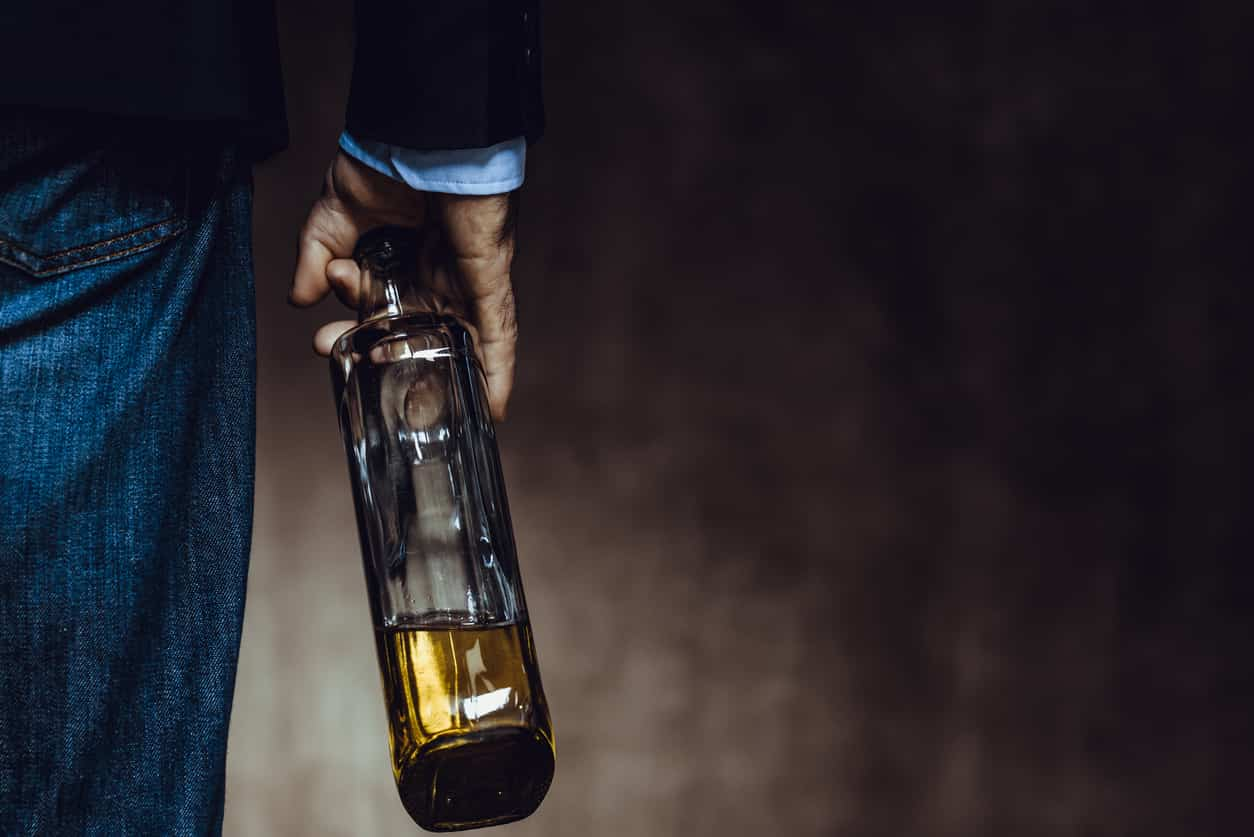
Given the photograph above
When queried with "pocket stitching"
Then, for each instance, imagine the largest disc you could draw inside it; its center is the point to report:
(179, 226)
(56, 262)
(102, 243)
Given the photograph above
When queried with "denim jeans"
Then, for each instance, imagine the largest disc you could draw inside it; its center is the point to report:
(126, 466)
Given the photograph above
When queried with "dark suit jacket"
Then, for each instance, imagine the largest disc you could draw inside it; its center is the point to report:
(427, 73)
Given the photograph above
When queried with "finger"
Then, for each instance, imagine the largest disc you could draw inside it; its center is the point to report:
(309, 283)
(440, 288)
(325, 337)
(482, 253)
(498, 338)
(344, 277)
(494, 314)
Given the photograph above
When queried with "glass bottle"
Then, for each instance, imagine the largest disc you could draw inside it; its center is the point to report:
(471, 739)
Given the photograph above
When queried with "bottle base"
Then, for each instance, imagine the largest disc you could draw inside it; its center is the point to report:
(465, 781)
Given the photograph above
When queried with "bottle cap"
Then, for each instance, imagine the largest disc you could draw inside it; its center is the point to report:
(384, 249)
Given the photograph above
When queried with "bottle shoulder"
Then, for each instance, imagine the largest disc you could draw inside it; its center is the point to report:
(419, 334)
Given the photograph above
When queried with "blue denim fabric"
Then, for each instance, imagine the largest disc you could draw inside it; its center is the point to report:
(126, 463)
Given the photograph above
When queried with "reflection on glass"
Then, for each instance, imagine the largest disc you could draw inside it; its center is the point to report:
(471, 739)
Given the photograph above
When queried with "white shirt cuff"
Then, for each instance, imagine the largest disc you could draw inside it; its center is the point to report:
(464, 171)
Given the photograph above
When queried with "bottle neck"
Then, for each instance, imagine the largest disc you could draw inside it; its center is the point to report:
(388, 260)
(383, 296)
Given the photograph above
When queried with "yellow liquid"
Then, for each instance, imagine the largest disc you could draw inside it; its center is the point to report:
(472, 744)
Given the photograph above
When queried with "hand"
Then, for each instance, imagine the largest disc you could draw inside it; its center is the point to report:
(465, 266)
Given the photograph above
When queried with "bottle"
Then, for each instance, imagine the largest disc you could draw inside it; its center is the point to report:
(469, 728)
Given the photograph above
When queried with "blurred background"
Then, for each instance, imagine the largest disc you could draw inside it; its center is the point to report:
(878, 451)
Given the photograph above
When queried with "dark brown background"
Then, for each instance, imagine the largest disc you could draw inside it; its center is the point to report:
(878, 451)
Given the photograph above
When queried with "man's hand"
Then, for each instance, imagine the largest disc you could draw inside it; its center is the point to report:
(464, 269)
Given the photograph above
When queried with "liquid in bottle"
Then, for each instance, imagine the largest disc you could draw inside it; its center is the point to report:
(469, 728)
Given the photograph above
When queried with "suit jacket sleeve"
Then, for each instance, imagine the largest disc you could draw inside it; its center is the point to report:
(446, 74)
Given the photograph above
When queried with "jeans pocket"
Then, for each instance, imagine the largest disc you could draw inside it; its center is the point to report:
(72, 197)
